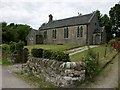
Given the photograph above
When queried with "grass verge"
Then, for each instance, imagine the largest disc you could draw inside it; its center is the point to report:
(100, 50)
(35, 82)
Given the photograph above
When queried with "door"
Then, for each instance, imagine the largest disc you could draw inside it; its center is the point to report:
(39, 39)
(97, 39)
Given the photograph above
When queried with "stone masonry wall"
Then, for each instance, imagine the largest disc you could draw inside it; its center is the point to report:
(62, 74)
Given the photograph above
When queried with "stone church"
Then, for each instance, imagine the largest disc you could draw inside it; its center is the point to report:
(80, 30)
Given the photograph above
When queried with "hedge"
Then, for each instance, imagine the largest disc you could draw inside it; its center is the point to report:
(54, 55)
(37, 52)
(47, 54)
(60, 56)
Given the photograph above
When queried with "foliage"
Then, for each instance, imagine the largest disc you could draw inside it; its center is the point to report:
(25, 55)
(115, 18)
(111, 42)
(47, 54)
(14, 32)
(55, 55)
(92, 64)
(105, 21)
(5, 48)
(37, 52)
(60, 56)
(19, 45)
(19, 48)
(12, 46)
(5, 61)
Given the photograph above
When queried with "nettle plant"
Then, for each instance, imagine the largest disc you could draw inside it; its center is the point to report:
(92, 64)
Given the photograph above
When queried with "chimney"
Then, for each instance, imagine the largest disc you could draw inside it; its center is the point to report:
(50, 18)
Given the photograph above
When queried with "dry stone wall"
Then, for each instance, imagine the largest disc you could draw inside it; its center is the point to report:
(62, 74)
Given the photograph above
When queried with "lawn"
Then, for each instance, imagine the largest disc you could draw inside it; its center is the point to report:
(100, 50)
(52, 47)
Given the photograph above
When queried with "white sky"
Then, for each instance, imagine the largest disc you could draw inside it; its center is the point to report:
(35, 12)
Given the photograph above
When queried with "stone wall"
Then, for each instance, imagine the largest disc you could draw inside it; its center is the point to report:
(62, 74)
(72, 36)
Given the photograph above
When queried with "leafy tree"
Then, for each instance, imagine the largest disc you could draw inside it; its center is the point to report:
(14, 32)
(115, 18)
(105, 21)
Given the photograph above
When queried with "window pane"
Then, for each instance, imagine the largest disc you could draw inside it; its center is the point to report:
(81, 32)
(78, 32)
(45, 34)
(54, 34)
(66, 32)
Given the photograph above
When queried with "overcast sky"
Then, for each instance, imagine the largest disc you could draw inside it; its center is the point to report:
(35, 12)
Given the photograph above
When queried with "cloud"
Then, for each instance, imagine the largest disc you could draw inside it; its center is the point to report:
(35, 12)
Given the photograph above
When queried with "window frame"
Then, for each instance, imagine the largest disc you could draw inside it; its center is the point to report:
(54, 34)
(66, 32)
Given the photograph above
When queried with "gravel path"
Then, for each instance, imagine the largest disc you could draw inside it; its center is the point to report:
(11, 81)
(108, 78)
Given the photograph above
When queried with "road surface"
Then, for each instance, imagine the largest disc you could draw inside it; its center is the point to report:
(11, 81)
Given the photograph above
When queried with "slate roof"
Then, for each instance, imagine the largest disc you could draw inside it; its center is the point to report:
(77, 20)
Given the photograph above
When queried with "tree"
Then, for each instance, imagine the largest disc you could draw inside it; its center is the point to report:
(115, 18)
(99, 15)
(105, 21)
(14, 32)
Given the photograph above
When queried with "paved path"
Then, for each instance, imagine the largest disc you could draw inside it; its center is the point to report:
(80, 49)
(11, 81)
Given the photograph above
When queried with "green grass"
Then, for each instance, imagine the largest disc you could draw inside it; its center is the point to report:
(35, 81)
(5, 62)
(52, 47)
(78, 56)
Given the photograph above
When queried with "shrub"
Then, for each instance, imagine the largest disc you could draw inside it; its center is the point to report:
(55, 55)
(92, 66)
(111, 42)
(47, 54)
(37, 52)
(5, 48)
(25, 55)
(60, 56)
(19, 45)
(12, 46)
(19, 50)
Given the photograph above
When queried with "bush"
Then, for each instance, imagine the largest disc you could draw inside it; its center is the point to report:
(60, 56)
(19, 45)
(5, 48)
(111, 42)
(92, 66)
(19, 50)
(55, 55)
(47, 54)
(37, 52)
(12, 46)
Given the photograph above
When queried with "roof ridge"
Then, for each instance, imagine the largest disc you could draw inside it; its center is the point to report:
(71, 17)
